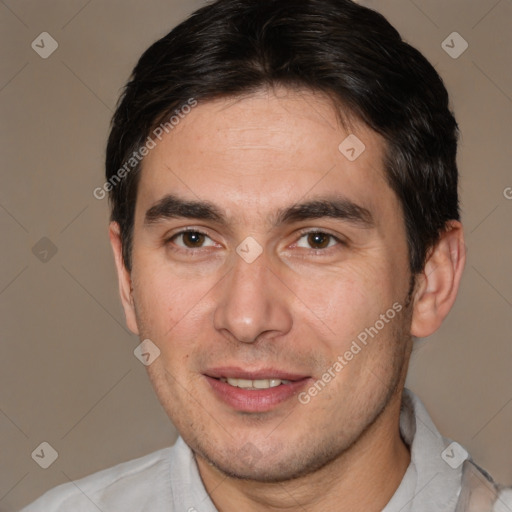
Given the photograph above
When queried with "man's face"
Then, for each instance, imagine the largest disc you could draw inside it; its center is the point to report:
(333, 261)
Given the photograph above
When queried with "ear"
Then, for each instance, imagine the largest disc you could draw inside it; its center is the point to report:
(437, 285)
(124, 277)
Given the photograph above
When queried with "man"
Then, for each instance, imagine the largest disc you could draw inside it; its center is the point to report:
(285, 220)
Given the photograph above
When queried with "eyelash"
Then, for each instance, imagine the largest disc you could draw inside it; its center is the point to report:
(170, 240)
(303, 233)
(339, 241)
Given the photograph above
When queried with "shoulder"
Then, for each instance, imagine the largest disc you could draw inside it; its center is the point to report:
(504, 501)
(126, 486)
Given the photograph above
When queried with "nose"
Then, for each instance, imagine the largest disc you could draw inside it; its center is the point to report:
(252, 303)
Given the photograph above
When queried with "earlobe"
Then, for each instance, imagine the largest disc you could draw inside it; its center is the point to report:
(124, 278)
(438, 284)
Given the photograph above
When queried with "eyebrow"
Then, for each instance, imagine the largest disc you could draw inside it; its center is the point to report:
(331, 207)
(172, 207)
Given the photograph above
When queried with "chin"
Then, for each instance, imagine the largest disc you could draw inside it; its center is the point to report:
(249, 463)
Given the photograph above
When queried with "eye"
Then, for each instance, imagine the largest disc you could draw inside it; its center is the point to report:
(192, 240)
(317, 240)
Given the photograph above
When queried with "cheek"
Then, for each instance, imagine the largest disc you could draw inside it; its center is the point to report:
(161, 299)
(172, 310)
(346, 300)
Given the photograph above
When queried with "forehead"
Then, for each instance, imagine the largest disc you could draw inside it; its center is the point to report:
(255, 153)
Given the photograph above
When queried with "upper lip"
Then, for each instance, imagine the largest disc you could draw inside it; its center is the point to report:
(234, 372)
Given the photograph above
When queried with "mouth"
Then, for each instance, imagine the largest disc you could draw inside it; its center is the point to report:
(255, 383)
(254, 391)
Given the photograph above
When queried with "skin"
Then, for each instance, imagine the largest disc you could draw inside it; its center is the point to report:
(297, 307)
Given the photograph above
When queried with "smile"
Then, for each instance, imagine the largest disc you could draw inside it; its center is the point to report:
(254, 391)
(255, 384)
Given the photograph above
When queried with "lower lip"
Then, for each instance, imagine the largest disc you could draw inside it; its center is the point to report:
(257, 400)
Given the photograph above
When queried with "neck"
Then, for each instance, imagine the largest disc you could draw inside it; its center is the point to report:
(363, 478)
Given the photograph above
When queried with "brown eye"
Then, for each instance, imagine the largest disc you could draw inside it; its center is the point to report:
(318, 240)
(192, 240)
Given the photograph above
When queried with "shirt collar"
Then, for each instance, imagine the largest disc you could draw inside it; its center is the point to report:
(429, 483)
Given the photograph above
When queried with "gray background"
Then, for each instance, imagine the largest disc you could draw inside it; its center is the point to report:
(68, 375)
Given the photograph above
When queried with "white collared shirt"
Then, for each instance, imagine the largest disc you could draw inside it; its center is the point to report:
(168, 480)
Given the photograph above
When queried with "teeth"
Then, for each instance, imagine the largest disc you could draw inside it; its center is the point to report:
(243, 383)
(255, 384)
